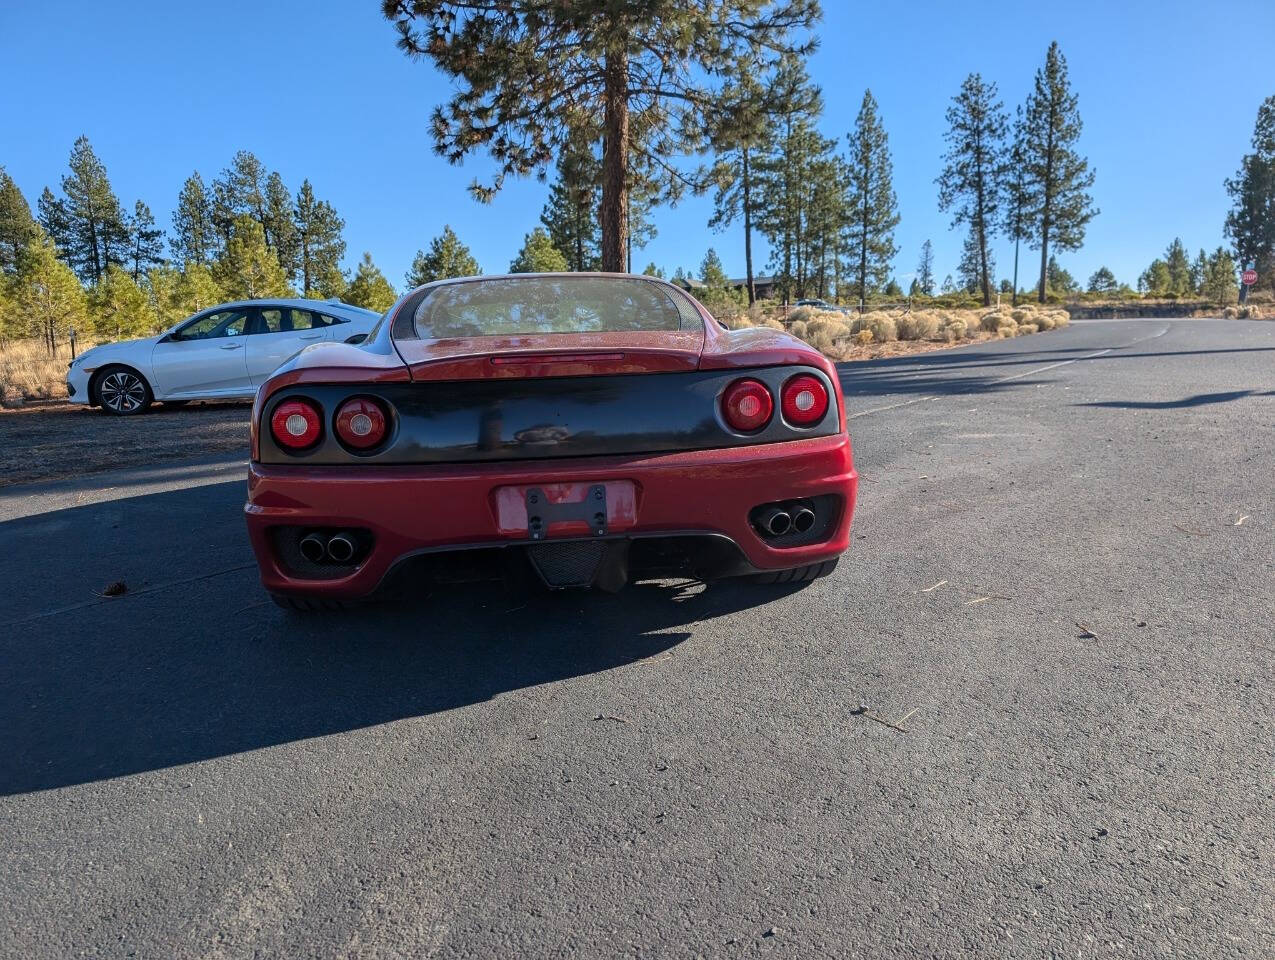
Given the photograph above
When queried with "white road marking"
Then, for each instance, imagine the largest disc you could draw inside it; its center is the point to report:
(1014, 376)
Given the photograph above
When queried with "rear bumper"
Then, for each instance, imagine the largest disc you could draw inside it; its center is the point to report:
(411, 510)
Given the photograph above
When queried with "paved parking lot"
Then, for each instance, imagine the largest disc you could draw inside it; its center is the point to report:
(1031, 714)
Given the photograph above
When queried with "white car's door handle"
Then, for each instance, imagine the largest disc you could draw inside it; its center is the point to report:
(312, 336)
(231, 346)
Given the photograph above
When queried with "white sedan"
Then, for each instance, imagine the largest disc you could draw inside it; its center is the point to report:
(225, 352)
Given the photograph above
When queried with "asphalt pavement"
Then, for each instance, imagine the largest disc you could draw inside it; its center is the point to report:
(1030, 715)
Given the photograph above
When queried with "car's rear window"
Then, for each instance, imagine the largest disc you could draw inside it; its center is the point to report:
(510, 306)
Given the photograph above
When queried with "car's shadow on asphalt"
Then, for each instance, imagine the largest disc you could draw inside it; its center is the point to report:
(186, 673)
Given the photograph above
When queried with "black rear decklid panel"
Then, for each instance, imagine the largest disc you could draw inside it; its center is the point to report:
(531, 419)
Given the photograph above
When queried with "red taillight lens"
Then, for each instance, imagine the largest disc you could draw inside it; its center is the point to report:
(296, 424)
(747, 405)
(360, 423)
(804, 400)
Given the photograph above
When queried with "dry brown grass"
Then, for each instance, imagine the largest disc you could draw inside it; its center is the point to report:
(843, 336)
(27, 372)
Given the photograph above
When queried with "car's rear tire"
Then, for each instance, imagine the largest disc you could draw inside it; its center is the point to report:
(797, 574)
(120, 391)
(309, 604)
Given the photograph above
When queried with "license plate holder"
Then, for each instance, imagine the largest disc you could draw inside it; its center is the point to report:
(565, 509)
(541, 511)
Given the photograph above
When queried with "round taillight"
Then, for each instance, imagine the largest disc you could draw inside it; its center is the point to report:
(296, 424)
(747, 406)
(804, 400)
(360, 423)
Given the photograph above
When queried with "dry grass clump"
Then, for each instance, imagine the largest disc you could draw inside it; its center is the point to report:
(833, 325)
(882, 326)
(1247, 312)
(922, 325)
(27, 372)
(955, 329)
(798, 329)
(998, 322)
(1026, 328)
(863, 337)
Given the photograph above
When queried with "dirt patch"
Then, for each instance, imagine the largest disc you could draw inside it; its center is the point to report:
(57, 440)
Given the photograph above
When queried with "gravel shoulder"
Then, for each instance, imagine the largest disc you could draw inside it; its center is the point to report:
(61, 440)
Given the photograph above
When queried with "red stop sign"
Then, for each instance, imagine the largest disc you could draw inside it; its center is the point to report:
(1249, 277)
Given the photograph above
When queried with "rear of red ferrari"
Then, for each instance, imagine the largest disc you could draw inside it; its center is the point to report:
(590, 428)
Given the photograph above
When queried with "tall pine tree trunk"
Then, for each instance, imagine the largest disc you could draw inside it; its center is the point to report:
(1048, 188)
(615, 163)
(1015, 295)
(748, 231)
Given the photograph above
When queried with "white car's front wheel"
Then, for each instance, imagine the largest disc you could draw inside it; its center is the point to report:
(121, 391)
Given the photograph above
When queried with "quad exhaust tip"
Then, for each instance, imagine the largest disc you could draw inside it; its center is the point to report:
(776, 521)
(803, 518)
(313, 548)
(341, 548)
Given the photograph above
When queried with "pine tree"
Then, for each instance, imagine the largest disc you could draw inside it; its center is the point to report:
(653, 271)
(241, 190)
(538, 255)
(801, 186)
(145, 241)
(1220, 284)
(52, 219)
(873, 205)
(571, 213)
(197, 289)
(317, 242)
(1199, 272)
(369, 288)
(95, 233)
(925, 270)
(47, 294)
(1102, 280)
(711, 272)
(194, 237)
(118, 308)
(528, 74)
(161, 286)
(1058, 178)
(1059, 280)
(1251, 222)
(17, 227)
(1155, 280)
(1179, 264)
(248, 269)
(447, 258)
(741, 127)
(1017, 224)
(972, 182)
(976, 266)
(279, 226)
(948, 285)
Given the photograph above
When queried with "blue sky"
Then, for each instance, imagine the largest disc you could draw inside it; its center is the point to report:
(1168, 92)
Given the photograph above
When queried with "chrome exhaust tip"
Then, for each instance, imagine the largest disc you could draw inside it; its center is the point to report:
(341, 548)
(803, 518)
(312, 547)
(775, 521)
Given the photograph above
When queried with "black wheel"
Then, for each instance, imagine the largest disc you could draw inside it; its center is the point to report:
(121, 391)
(797, 574)
(309, 604)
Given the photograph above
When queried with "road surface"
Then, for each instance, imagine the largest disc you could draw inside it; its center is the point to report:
(1058, 613)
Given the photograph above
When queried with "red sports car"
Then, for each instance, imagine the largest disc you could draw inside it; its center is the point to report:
(593, 428)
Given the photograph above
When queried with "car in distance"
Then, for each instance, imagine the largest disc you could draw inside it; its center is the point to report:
(593, 428)
(224, 352)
